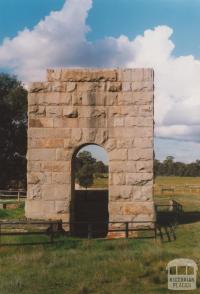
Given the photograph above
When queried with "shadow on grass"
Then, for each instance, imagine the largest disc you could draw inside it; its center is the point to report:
(186, 217)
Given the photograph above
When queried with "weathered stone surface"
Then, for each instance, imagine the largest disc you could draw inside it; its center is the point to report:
(138, 178)
(49, 133)
(85, 75)
(41, 122)
(42, 154)
(70, 112)
(54, 166)
(54, 111)
(112, 108)
(47, 143)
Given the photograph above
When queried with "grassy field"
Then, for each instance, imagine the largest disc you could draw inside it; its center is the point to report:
(99, 266)
(9, 214)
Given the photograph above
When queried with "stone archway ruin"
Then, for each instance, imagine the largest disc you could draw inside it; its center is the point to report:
(112, 108)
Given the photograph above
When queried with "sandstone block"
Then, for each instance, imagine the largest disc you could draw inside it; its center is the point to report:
(81, 75)
(47, 143)
(119, 179)
(41, 122)
(77, 135)
(77, 98)
(42, 154)
(114, 86)
(118, 153)
(125, 143)
(143, 143)
(33, 166)
(70, 111)
(39, 178)
(53, 75)
(122, 166)
(54, 111)
(56, 192)
(66, 122)
(55, 98)
(137, 208)
(118, 121)
(138, 178)
(61, 178)
(61, 207)
(49, 133)
(55, 166)
(110, 144)
(33, 209)
(142, 86)
(34, 191)
(40, 87)
(71, 86)
(88, 86)
(92, 98)
(110, 99)
(140, 154)
(138, 121)
(144, 166)
(63, 154)
(58, 87)
(126, 87)
(101, 136)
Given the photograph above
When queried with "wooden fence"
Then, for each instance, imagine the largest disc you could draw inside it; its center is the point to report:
(54, 229)
(176, 189)
(173, 206)
(12, 194)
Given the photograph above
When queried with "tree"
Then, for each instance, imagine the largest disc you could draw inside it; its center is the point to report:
(13, 132)
(85, 176)
(84, 169)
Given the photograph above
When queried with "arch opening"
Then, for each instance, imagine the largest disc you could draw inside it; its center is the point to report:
(89, 191)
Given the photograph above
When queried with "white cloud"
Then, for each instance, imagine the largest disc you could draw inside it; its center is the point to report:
(61, 40)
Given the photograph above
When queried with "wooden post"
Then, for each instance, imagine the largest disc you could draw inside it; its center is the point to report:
(18, 196)
(51, 233)
(155, 231)
(89, 231)
(126, 227)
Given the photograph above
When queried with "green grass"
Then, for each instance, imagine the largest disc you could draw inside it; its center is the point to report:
(9, 214)
(91, 266)
(100, 183)
(98, 266)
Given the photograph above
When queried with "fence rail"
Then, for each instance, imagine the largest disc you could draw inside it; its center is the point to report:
(12, 194)
(173, 206)
(53, 229)
(172, 189)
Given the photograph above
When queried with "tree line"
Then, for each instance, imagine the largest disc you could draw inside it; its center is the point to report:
(169, 167)
(13, 132)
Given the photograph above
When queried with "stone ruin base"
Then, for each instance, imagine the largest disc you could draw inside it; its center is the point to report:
(112, 108)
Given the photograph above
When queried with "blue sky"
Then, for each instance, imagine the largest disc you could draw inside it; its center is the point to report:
(113, 18)
(169, 41)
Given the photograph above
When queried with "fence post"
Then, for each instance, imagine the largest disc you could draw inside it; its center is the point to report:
(18, 196)
(51, 233)
(126, 226)
(155, 230)
(89, 231)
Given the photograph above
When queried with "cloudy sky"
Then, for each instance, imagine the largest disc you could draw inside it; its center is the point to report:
(163, 34)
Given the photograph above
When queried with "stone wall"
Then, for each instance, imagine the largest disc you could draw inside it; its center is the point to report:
(112, 108)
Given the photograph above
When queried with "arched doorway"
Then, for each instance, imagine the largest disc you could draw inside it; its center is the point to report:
(89, 203)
